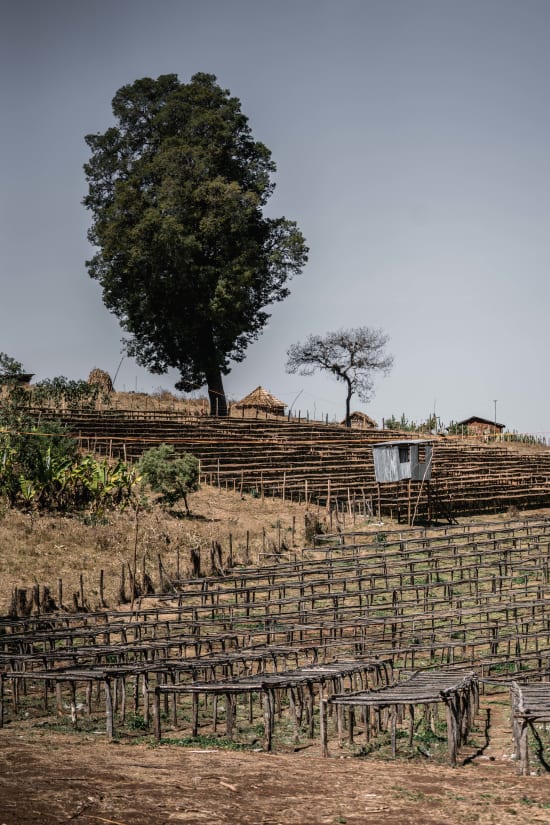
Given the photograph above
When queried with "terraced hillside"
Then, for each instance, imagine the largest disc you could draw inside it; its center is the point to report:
(327, 464)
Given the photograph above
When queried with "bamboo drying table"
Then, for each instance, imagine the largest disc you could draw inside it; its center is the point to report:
(458, 690)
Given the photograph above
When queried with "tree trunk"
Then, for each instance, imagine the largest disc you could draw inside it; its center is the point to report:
(348, 404)
(216, 393)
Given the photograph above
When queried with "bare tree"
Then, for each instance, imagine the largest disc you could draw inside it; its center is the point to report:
(351, 355)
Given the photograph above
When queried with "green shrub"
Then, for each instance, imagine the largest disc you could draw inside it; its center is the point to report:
(173, 476)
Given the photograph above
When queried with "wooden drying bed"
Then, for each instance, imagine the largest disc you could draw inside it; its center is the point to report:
(418, 599)
(457, 690)
(530, 706)
(256, 665)
(298, 685)
(457, 598)
(327, 465)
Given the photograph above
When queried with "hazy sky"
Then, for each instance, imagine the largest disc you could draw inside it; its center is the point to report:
(412, 143)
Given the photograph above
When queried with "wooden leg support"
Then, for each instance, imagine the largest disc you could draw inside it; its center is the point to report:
(524, 748)
(323, 727)
(108, 709)
(452, 732)
(156, 714)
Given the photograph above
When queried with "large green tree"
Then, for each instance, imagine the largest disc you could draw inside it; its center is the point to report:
(187, 259)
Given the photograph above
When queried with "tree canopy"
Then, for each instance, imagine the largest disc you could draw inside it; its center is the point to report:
(353, 356)
(9, 367)
(186, 258)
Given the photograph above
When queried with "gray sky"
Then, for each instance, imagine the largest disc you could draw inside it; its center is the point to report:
(412, 143)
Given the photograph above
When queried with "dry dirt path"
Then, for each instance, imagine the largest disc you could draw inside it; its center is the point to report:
(53, 778)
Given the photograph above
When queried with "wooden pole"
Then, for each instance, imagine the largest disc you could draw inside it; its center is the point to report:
(156, 713)
(101, 589)
(108, 709)
(268, 719)
(452, 744)
(411, 728)
(340, 724)
(229, 715)
(524, 748)
(293, 715)
(323, 727)
(145, 694)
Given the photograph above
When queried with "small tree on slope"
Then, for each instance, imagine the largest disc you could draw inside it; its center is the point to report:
(353, 356)
(173, 476)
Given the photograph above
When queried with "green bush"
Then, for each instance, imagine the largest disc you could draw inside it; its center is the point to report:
(61, 391)
(40, 469)
(173, 476)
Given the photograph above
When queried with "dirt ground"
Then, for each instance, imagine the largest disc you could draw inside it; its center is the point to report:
(47, 778)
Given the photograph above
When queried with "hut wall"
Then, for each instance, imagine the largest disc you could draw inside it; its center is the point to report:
(483, 428)
(399, 462)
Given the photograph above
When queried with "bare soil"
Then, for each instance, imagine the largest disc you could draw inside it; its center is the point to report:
(61, 778)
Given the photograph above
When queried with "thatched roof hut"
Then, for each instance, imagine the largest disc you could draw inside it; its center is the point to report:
(260, 399)
(362, 421)
(101, 379)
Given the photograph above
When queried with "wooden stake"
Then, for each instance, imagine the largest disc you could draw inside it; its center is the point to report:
(101, 590)
(108, 708)
(323, 727)
(393, 712)
(524, 748)
(156, 714)
(452, 745)
(195, 714)
(268, 723)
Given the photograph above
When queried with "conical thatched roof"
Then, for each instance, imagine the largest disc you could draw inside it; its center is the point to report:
(261, 399)
(101, 379)
(361, 419)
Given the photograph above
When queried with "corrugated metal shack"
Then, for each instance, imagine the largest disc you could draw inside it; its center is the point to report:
(402, 460)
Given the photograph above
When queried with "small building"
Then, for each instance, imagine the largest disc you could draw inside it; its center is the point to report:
(402, 460)
(479, 426)
(262, 400)
(361, 421)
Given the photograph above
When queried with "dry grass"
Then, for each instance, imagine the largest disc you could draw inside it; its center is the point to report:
(45, 548)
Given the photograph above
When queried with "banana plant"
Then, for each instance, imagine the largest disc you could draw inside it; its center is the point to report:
(9, 486)
(105, 485)
(30, 493)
